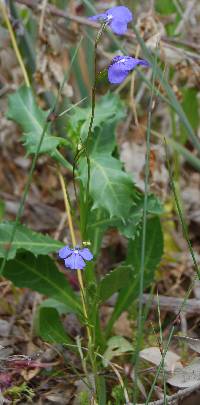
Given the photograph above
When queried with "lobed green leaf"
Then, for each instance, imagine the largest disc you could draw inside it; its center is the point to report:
(26, 239)
(108, 110)
(24, 110)
(110, 187)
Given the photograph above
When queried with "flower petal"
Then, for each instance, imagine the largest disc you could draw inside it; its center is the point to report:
(86, 254)
(116, 76)
(118, 27)
(120, 13)
(121, 66)
(75, 262)
(99, 17)
(64, 252)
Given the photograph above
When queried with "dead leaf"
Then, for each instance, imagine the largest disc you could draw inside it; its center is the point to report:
(153, 355)
(122, 326)
(187, 376)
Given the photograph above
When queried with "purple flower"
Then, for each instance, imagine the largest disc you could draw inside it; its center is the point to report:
(73, 258)
(116, 17)
(121, 66)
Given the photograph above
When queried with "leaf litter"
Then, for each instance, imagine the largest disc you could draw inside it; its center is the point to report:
(13, 175)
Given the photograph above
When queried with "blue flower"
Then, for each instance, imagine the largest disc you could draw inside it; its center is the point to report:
(117, 18)
(73, 258)
(121, 66)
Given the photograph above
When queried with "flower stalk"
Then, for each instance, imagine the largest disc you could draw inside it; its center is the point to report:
(97, 39)
(80, 279)
(74, 243)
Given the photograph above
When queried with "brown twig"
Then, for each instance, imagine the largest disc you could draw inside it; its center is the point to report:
(41, 22)
(173, 399)
(172, 304)
(34, 4)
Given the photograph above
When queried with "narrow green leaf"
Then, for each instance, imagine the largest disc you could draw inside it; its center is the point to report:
(27, 42)
(40, 274)
(102, 392)
(190, 107)
(26, 239)
(50, 328)
(2, 209)
(189, 156)
(172, 100)
(153, 254)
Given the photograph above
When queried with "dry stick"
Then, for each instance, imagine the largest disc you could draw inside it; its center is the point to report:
(179, 395)
(172, 304)
(14, 42)
(41, 22)
(115, 368)
(121, 382)
(33, 4)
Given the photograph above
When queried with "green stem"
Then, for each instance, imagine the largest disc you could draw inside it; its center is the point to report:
(14, 43)
(183, 223)
(144, 227)
(185, 232)
(161, 365)
(89, 136)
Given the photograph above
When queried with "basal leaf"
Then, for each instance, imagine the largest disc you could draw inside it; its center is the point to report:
(40, 274)
(50, 328)
(26, 239)
(59, 306)
(114, 281)
(24, 110)
(110, 187)
(153, 254)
